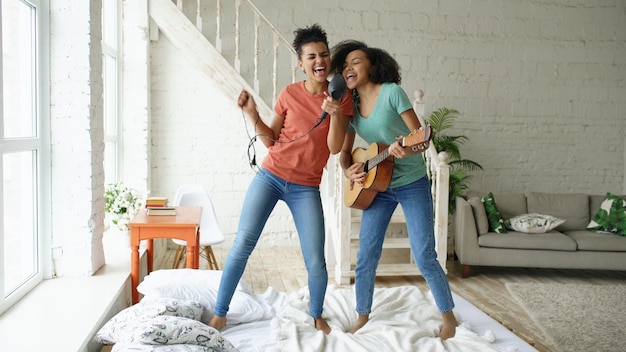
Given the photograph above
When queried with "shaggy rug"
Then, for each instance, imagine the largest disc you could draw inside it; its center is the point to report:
(577, 317)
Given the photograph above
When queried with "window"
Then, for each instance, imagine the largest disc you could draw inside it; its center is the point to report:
(23, 149)
(110, 50)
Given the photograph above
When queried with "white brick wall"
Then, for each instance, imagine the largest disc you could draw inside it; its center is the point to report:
(77, 137)
(540, 85)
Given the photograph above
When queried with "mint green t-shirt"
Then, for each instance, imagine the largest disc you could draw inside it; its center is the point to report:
(383, 126)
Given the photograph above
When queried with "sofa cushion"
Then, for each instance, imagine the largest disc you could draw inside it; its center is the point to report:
(595, 201)
(598, 241)
(552, 240)
(533, 223)
(611, 217)
(480, 215)
(496, 223)
(571, 207)
(509, 204)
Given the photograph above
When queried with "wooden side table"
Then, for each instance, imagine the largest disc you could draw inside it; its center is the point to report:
(185, 225)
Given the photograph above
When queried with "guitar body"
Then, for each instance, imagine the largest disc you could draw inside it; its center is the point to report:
(377, 179)
(378, 166)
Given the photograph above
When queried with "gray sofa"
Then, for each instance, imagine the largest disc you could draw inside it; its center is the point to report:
(569, 246)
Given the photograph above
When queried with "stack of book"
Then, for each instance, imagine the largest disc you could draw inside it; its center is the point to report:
(158, 206)
(156, 202)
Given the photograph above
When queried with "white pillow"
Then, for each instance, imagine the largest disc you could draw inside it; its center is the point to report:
(122, 326)
(168, 330)
(205, 277)
(202, 286)
(533, 223)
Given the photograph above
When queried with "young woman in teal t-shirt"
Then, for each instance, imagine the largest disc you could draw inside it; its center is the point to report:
(382, 112)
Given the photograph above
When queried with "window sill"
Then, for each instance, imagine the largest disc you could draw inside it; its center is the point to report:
(64, 314)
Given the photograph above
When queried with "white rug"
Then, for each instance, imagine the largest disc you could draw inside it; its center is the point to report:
(403, 319)
(577, 317)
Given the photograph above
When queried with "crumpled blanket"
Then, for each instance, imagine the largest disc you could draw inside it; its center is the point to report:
(403, 319)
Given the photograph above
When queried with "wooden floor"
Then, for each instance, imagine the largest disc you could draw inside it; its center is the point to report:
(283, 269)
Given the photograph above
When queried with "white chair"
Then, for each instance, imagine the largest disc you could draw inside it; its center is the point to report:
(210, 232)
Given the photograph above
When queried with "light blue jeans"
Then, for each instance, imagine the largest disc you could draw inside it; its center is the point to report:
(305, 205)
(416, 201)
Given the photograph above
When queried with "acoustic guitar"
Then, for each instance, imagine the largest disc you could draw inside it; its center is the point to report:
(378, 164)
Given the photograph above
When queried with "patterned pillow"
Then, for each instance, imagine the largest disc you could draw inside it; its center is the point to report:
(533, 223)
(140, 347)
(496, 223)
(168, 330)
(611, 217)
(123, 325)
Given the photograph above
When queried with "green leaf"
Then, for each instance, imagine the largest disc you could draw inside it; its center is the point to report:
(439, 121)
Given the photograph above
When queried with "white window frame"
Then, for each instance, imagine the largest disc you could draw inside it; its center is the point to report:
(41, 144)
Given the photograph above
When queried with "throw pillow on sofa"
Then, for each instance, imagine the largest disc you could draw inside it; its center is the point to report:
(496, 223)
(611, 217)
(533, 223)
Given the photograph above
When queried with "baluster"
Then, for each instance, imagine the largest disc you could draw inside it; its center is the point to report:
(441, 209)
(294, 67)
(198, 17)
(218, 22)
(237, 35)
(275, 69)
(257, 23)
(179, 3)
(419, 107)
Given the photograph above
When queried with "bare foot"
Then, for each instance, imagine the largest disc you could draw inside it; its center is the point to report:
(360, 322)
(448, 329)
(217, 322)
(322, 325)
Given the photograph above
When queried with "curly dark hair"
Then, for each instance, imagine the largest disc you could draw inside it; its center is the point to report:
(310, 34)
(385, 68)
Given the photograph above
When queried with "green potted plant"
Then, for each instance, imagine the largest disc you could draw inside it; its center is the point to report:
(441, 120)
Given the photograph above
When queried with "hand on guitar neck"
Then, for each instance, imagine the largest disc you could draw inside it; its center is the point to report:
(377, 165)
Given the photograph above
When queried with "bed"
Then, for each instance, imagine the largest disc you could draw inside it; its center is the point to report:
(176, 302)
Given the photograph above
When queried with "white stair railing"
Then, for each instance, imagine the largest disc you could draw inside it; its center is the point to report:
(439, 174)
(260, 77)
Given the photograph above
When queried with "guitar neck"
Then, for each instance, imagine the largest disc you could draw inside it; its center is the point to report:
(413, 139)
(373, 162)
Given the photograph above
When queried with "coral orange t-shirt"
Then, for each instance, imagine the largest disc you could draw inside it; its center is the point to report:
(299, 156)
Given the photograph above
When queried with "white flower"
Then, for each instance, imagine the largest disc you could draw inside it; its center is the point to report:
(122, 204)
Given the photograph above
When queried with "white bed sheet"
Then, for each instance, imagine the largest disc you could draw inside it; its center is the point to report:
(481, 323)
(291, 331)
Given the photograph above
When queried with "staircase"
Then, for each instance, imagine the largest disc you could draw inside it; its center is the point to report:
(234, 63)
(173, 20)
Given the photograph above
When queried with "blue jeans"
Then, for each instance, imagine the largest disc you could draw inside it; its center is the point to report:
(305, 205)
(416, 201)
